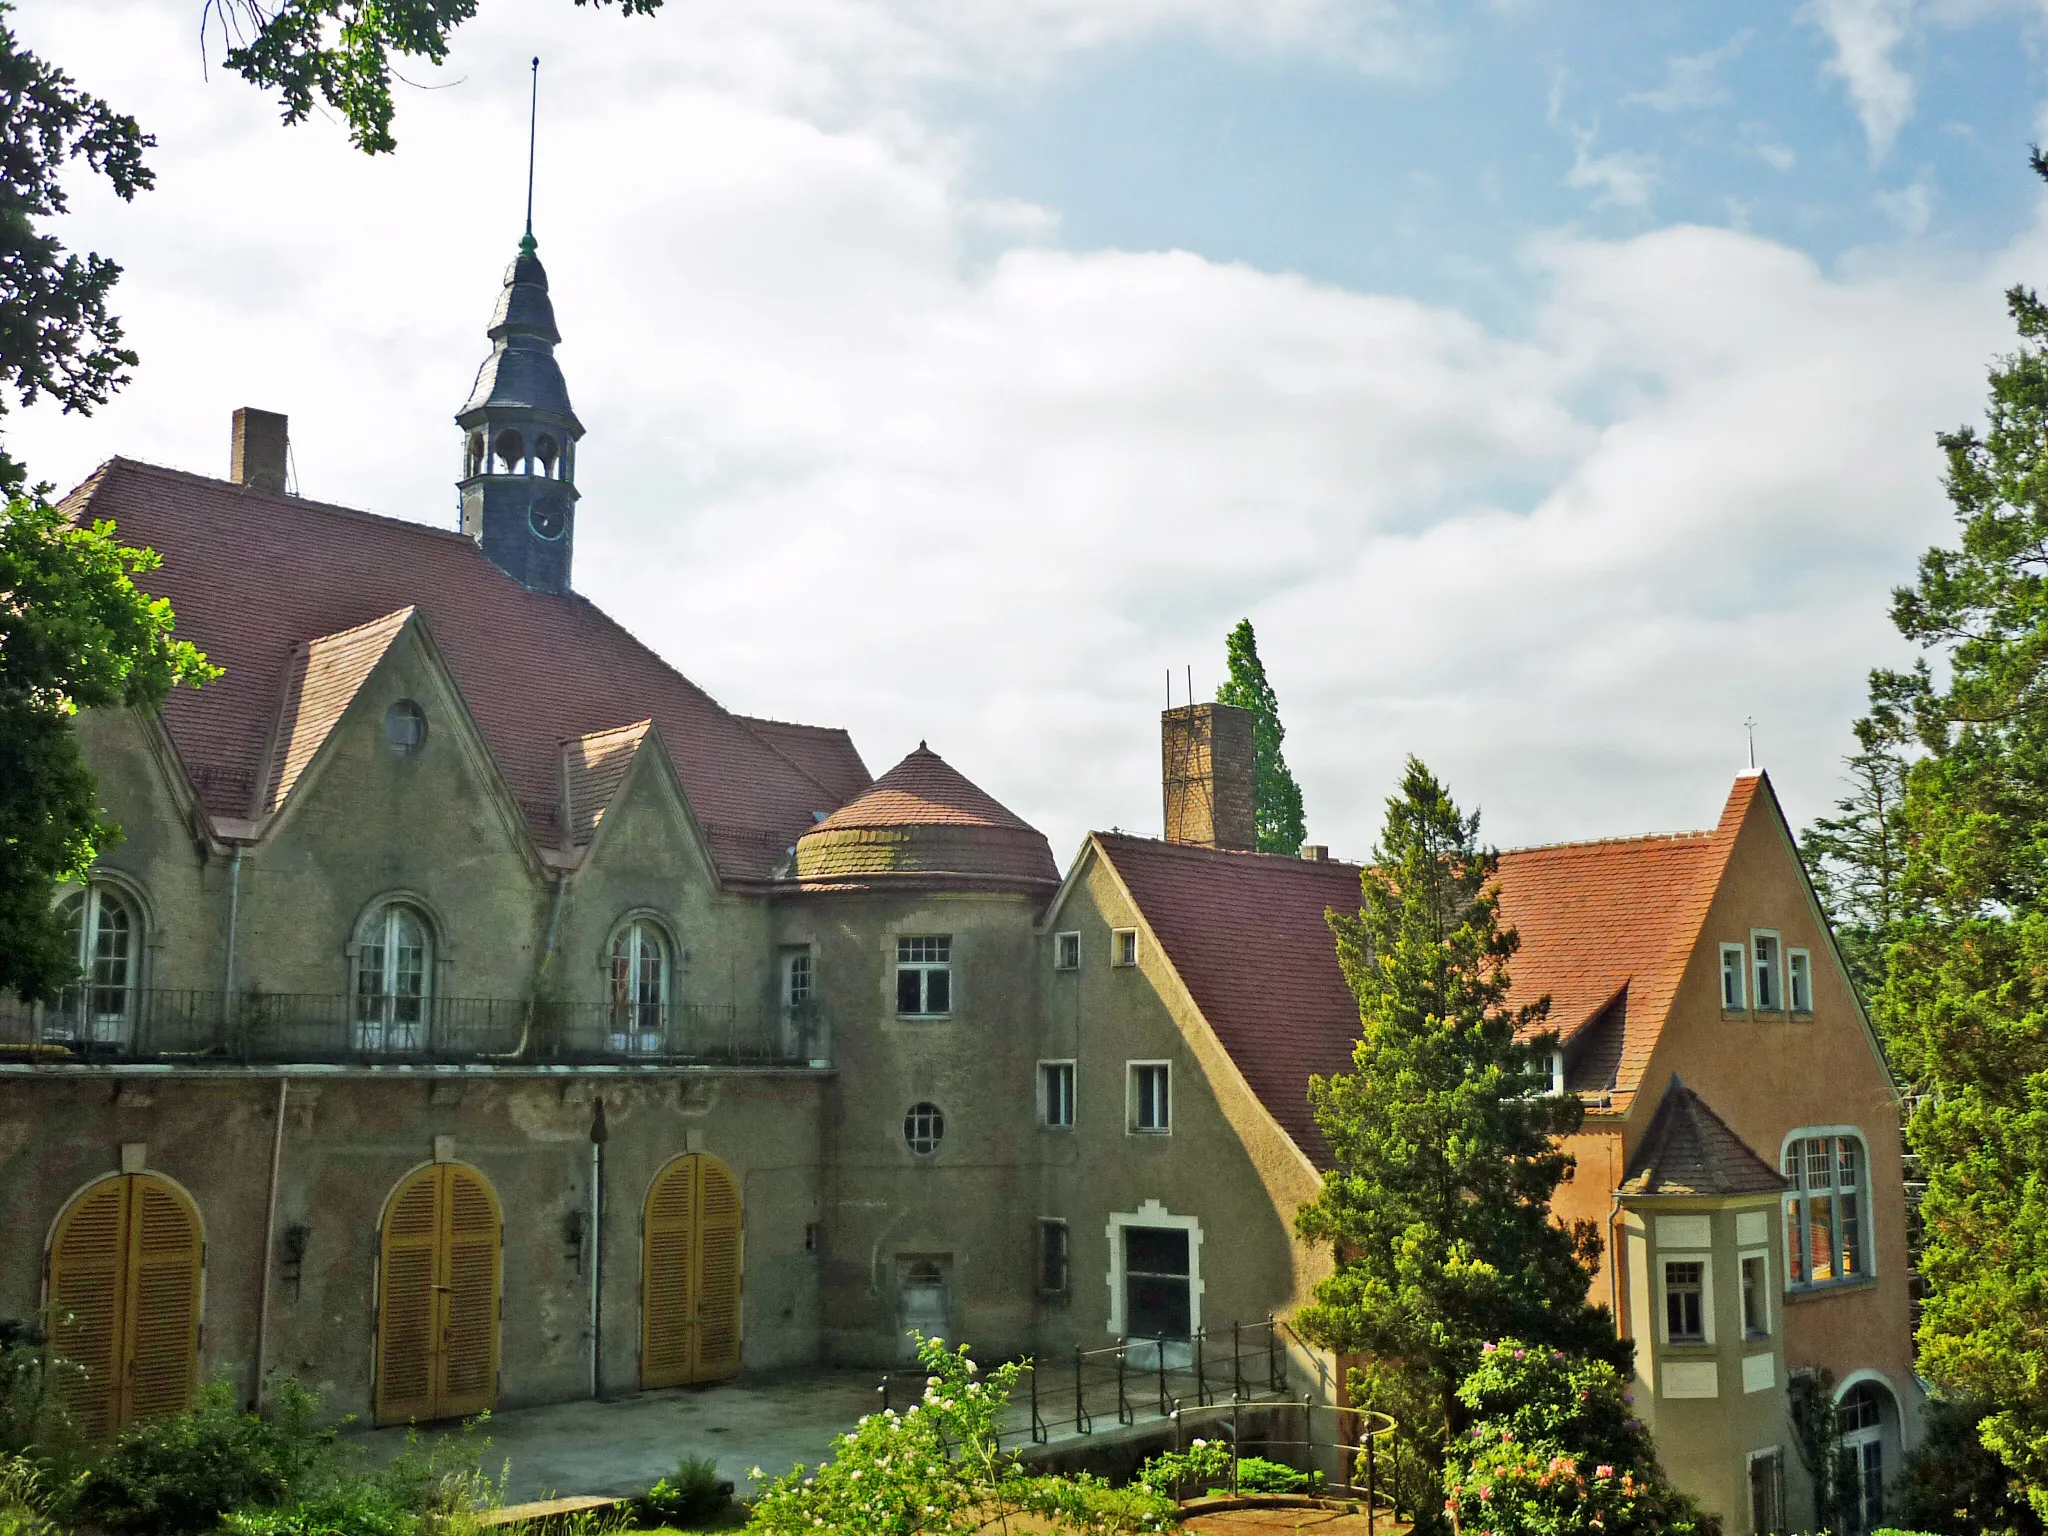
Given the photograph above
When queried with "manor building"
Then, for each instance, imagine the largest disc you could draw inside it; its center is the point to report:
(476, 1013)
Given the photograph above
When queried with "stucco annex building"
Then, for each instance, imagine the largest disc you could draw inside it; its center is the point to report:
(477, 1013)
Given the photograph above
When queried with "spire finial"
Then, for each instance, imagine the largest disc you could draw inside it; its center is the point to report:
(526, 242)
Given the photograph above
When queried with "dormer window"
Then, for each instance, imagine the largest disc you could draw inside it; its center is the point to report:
(1556, 1067)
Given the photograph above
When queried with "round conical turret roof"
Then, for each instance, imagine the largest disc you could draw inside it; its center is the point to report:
(925, 822)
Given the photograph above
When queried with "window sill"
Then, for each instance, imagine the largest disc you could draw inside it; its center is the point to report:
(1736, 1015)
(1141, 1130)
(1688, 1348)
(1794, 1293)
(1063, 1130)
(924, 1018)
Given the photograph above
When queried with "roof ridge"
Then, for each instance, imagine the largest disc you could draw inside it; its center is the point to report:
(1229, 853)
(1610, 842)
(301, 503)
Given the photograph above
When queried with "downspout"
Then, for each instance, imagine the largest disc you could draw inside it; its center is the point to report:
(227, 983)
(598, 1136)
(284, 1085)
(541, 967)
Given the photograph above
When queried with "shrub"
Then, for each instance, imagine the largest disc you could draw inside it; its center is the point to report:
(1554, 1449)
(1952, 1486)
(1084, 1502)
(33, 1419)
(698, 1494)
(24, 1499)
(180, 1476)
(357, 1509)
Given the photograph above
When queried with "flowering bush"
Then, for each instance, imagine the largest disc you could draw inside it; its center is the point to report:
(1554, 1449)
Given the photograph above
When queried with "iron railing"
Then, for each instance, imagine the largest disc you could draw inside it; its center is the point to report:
(99, 1024)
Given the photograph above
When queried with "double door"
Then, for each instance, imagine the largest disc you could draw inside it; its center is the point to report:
(690, 1274)
(437, 1303)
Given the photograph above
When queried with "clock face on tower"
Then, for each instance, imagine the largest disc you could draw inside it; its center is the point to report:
(550, 514)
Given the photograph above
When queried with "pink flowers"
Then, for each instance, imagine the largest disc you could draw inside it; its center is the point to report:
(1603, 1470)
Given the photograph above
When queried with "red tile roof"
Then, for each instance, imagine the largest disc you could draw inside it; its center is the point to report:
(324, 678)
(254, 577)
(593, 768)
(1602, 923)
(825, 752)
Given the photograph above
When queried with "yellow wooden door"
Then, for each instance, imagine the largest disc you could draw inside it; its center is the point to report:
(437, 1304)
(124, 1284)
(690, 1274)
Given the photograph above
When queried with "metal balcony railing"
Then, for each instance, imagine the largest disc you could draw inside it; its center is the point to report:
(102, 1024)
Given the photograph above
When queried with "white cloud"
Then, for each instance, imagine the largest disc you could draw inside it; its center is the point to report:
(1622, 178)
(1691, 81)
(865, 450)
(1864, 35)
(1910, 207)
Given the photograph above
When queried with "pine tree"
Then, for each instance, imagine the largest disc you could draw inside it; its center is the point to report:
(1443, 1145)
(1857, 857)
(1276, 797)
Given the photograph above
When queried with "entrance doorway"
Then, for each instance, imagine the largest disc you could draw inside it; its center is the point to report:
(437, 1297)
(921, 1304)
(123, 1284)
(690, 1270)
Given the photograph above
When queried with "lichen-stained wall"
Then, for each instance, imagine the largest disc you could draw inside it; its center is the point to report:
(971, 1206)
(351, 1137)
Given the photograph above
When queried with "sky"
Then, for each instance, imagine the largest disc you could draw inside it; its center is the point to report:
(1554, 384)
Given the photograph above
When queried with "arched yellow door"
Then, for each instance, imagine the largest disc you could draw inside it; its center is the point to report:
(690, 1274)
(437, 1297)
(124, 1286)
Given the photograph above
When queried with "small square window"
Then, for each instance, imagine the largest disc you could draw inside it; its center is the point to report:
(1052, 1257)
(1769, 998)
(1756, 1297)
(924, 977)
(1734, 995)
(1056, 1094)
(1799, 980)
(1685, 1311)
(1066, 952)
(1123, 946)
(1151, 1098)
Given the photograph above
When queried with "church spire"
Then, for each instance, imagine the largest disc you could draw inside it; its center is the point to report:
(520, 432)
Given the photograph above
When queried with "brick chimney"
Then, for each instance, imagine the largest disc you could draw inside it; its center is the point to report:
(257, 456)
(1208, 764)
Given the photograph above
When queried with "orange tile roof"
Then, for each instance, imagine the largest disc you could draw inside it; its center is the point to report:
(324, 678)
(593, 768)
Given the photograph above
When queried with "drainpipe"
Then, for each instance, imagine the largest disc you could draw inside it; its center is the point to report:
(598, 1136)
(541, 967)
(284, 1085)
(227, 984)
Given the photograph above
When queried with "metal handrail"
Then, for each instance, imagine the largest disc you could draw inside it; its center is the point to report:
(1375, 1427)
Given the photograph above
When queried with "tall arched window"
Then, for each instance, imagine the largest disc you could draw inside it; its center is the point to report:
(1827, 1236)
(1861, 1413)
(106, 944)
(640, 989)
(394, 970)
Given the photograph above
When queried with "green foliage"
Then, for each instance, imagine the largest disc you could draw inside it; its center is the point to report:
(1205, 1465)
(75, 633)
(1276, 797)
(340, 51)
(1817, 1437)
(1857, 857)
(362, 1509)
(180, 1476)
(1950, 1485)
(1554, 1449)
(1085, 1502)
(1443, 1145)
(34, 1422)
(57, 339)
(25, 1499)
(696, 1495)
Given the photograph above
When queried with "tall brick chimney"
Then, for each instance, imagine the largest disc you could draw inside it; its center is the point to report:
(1208, 764)
(256, 458)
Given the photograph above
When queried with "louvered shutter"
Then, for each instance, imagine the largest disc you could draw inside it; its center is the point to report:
(669, 1224)
(87, 1258)
(162, 1311)
(469, 1367)
(406, 1300)
(718, 1271)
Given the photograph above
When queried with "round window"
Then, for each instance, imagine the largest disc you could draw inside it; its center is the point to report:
(405, 727)
(924, 1128)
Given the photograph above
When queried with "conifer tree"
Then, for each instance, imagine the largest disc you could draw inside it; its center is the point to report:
(1276, 797)
(1857, 857)
(1443, 1144)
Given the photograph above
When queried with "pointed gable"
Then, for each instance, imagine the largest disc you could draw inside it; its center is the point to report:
(322, 681)
(1689, 1150)
(593, 768)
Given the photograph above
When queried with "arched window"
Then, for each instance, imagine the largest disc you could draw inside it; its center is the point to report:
(1861, 1414)
(639, 991)
(544, 450)
(511, 450)
(1827, 1236)
(473, 460)
(106, 945)
(394, 970)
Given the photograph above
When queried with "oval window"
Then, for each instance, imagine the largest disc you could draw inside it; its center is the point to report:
(405, 727)
(924, 1128)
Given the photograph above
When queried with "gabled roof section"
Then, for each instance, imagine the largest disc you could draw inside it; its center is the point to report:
(593, 768)
(924, 790)
(323, 679)
(1689, 1150)
(826, 753)
(254, 576)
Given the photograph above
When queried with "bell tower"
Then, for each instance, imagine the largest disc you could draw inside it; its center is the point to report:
(519, 438)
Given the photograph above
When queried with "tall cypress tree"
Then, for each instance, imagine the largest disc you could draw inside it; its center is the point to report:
(1276, 798)
(1443, 1146)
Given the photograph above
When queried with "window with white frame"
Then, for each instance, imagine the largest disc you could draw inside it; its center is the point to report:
(1158, 1293)
(1825, 1238)
(1687, 1303)
(1056, 1094)
(1066, 951)
(639, 989)
(1052, 1257)
(1769, 988)
(1767, 1492)
(1756, 1296)
(1799, 981)
(1554, 1070)
(1123, 946)
(1151, 1097)
(1860, 1414)
(394, 968)
(1734, 995)
(924, 977)
(106, 948)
